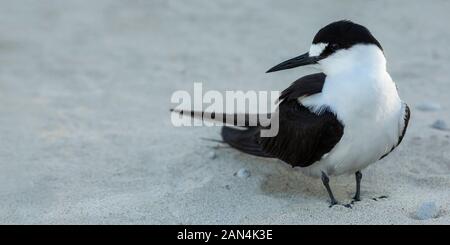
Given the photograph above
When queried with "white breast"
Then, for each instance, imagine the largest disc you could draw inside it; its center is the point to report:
(367, 103)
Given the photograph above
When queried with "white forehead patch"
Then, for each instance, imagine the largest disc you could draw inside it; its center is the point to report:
(316, 49)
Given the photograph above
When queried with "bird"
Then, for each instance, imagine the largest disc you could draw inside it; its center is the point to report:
(337, 121)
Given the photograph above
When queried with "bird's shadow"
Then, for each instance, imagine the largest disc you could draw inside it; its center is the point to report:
(287, 183)
(282, 181)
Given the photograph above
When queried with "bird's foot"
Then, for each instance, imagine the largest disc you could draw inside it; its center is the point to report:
(348, 206)
(335, 203)
(356, 199)
(343, 205)
(380, 197)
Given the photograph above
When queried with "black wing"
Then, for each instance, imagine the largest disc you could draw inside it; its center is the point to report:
(304, 86)
(303, 136)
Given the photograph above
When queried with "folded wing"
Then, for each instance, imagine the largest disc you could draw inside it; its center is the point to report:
(303, 136)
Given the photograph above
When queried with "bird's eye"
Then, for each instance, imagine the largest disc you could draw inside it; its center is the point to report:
(334, 46)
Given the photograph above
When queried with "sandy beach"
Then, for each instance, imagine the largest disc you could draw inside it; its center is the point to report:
(85, 129)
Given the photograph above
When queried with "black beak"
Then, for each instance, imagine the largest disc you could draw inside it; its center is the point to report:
(301, 60)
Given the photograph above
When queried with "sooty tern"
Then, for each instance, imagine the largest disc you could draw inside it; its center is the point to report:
(335, 122)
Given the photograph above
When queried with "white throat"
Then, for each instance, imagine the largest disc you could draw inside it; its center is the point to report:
(360, 58)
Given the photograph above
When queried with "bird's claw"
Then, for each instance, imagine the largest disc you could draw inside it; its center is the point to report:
(348, 206)
(335, 203)
(380, 197)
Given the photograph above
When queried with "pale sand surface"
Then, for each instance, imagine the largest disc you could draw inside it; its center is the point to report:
(86, 137)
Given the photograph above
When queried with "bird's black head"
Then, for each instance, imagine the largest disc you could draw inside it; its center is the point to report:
(334, 37)
(343, 35)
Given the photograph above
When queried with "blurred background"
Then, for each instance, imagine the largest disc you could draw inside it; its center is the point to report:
(85, 87)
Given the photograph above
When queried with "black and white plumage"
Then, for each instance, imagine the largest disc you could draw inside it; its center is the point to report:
(338, 121)
(303, 136)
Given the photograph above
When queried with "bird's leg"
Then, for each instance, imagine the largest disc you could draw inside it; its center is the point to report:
(325, 181)
(358, 176)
